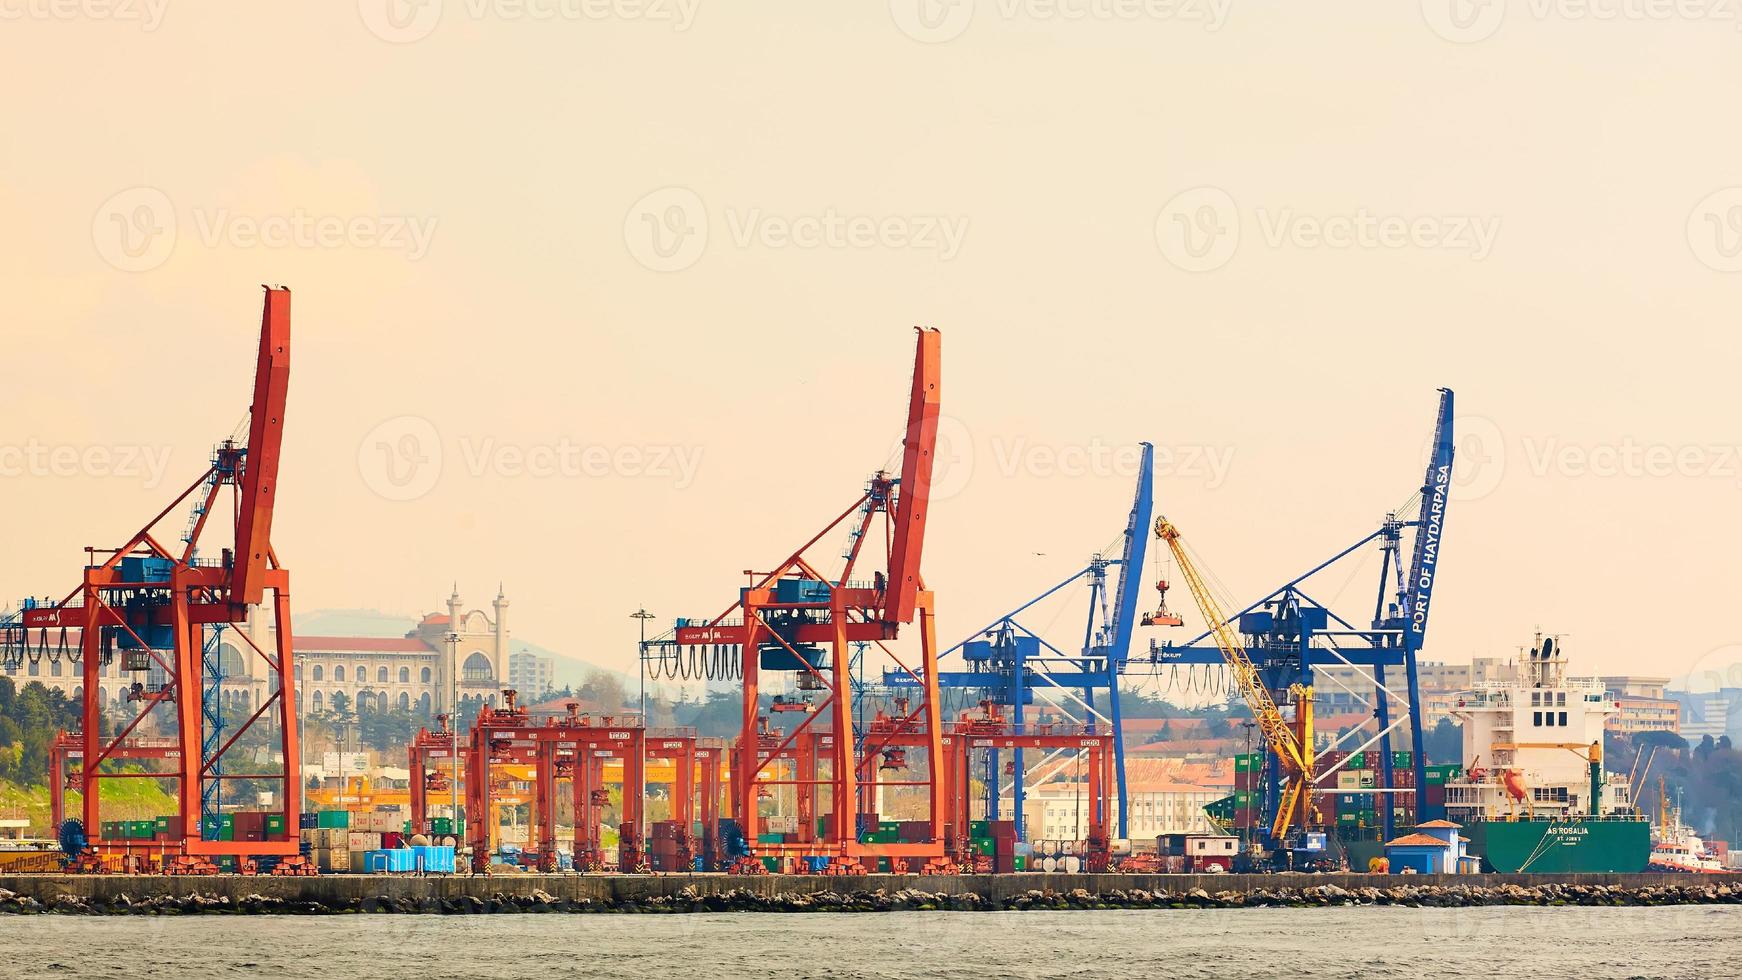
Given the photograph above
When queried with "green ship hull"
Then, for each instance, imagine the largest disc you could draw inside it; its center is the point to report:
(1561, 846)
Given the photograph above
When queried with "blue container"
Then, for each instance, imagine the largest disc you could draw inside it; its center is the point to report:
(374, 862)
(142, 568)
(800, 590)
(157, 637)
(435, 860)
(773, 656)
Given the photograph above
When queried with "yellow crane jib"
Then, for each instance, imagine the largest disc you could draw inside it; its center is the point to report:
(1292, 742)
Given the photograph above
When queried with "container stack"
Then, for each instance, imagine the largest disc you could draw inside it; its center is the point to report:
(664, 850)
(1351, 804)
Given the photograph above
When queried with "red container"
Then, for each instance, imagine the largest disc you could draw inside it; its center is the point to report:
(392, 840)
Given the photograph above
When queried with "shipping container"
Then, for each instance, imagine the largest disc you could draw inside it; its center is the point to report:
(333, 818)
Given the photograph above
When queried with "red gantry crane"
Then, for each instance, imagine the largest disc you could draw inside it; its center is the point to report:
(163, 606)
(797, 620)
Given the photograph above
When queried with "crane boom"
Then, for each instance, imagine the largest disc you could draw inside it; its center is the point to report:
(1293, 747)
(259, 486)
(913, 501)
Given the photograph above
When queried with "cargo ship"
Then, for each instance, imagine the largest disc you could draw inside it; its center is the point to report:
(1533, 797)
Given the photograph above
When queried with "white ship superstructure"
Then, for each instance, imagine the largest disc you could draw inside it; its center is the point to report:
(1533, 735)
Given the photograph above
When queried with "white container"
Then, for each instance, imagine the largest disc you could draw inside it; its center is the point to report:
(1068, 847)
(1072, 865)
(1049, 864)
(1050, 847)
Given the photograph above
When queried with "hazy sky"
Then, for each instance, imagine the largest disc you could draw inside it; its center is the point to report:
(612, 299)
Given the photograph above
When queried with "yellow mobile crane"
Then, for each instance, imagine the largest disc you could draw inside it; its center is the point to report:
(1291, 741)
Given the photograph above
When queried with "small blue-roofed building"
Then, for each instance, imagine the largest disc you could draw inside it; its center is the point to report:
(1433, 848)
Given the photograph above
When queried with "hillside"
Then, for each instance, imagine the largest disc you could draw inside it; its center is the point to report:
(123, 799)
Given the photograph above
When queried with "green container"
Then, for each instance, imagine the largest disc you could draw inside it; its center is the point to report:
(441, 825)
(1019, 862)
(1401, 760)
(1357, 760)
(341, 820)
(772, 864)
(1253, 762)
(210, 827)
(979, 828)
(141, 829)
(161, 825)
(275, 824)
(770, 838)
(983, 845)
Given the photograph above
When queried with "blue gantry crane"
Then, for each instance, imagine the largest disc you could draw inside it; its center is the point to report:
(1288, 632)
(1006, 660)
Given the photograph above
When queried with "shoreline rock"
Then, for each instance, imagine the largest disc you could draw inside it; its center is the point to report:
(690, 900)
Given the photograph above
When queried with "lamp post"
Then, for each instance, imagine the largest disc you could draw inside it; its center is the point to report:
(643, 616)
(1246, 831)
(453, 639)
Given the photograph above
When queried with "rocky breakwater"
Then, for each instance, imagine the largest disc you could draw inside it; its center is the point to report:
(150, 901)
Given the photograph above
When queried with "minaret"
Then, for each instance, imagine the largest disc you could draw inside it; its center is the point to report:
(501, 606)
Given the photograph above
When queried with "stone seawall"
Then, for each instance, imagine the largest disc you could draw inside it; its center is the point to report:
(339, 894)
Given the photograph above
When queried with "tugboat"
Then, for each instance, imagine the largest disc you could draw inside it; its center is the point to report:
(1675, 846)
(1541, 802)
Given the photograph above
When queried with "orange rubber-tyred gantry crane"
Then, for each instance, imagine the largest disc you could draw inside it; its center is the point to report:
(796, 619)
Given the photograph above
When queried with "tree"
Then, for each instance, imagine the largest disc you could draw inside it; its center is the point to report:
(29, 720)
(1444, 745)
(605, 689)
